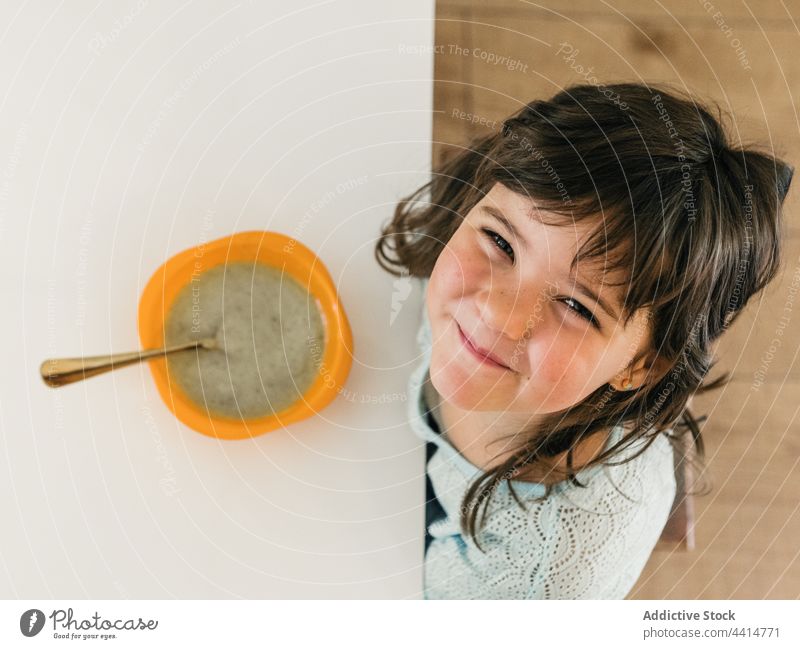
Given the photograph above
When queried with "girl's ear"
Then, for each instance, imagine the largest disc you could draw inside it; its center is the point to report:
(643, 371)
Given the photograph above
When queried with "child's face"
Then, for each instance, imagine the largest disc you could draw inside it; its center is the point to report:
(522, 312)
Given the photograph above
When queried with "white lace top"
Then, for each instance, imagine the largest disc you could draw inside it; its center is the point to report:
(587, 543)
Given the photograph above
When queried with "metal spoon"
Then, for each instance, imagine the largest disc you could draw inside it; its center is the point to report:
(62, 371)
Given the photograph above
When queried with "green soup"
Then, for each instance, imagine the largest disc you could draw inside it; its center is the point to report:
(270, 332)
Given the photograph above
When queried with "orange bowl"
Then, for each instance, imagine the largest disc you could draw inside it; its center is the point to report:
(272, 249)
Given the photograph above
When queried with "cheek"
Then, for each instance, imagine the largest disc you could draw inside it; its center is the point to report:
(571, 372)
(459, 267)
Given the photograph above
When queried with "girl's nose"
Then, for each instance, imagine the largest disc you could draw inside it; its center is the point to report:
(511, 311)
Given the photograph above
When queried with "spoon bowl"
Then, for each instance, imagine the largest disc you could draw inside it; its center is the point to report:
(288, 256)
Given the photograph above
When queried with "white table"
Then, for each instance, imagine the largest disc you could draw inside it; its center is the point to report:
(132, 131)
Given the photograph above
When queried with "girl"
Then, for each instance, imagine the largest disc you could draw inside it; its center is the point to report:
(577, 267)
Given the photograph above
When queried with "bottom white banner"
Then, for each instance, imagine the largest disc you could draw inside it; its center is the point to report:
(402, 623)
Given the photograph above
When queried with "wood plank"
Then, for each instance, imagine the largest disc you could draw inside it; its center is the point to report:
(773, 13)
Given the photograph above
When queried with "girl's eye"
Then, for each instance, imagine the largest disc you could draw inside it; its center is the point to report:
(578, 309)
(581, 311)
(498, 241)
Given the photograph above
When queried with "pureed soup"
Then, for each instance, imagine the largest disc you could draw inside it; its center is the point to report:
(270, 332)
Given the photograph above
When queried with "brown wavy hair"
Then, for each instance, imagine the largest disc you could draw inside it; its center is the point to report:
(694, 225)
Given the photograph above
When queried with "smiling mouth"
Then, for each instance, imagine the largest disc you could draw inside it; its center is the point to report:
(479, 356)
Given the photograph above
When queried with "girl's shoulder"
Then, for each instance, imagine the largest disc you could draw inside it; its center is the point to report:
(636, 481)
(585, 452)
(638, 476)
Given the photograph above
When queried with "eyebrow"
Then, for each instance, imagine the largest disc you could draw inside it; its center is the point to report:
(588, 292)
(493, 211)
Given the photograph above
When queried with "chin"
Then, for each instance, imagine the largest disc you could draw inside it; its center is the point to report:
(460, 389)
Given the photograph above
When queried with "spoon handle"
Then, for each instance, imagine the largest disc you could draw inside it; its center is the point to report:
(62, 371)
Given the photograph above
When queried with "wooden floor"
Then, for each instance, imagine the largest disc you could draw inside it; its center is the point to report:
(748, 527)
